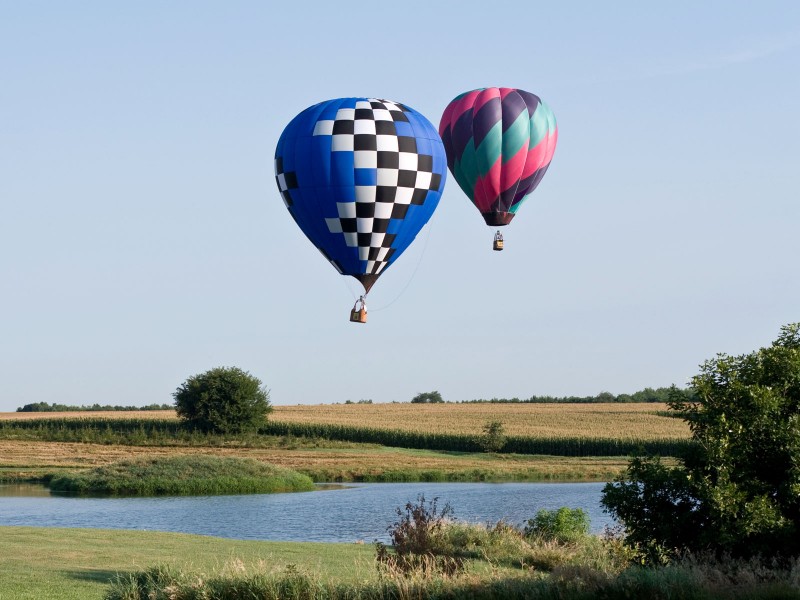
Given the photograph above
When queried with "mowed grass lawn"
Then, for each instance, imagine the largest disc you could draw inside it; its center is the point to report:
(78, 564)
(612, 420)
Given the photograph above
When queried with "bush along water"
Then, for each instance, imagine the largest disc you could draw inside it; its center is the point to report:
(738, 491)
(183, 475)
(563, 525)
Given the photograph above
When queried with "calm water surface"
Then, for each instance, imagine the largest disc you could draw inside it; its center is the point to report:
(337, 514)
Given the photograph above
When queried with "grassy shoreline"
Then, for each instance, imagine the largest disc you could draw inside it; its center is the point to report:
(35, 461)
(182, 475)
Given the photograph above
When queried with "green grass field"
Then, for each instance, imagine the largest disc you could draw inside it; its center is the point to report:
(78, 564)
(81, 564)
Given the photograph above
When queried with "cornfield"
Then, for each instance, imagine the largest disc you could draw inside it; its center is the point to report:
(558, 430)
(600, 421)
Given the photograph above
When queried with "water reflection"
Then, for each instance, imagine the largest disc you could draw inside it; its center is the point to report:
(23, 490)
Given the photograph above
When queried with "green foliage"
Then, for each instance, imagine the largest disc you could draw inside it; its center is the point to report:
(183, 475)
(223, 400)
(433, 397)
(739, 490)
(499, 543)
(565, 525)
(45, 407)
(494, 436)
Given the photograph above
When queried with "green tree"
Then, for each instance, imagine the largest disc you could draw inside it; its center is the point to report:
(494, 436)
(738, 491)
(433, 397)
(223, 400)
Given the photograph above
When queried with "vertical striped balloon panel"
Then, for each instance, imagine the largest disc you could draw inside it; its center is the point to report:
(499, 143)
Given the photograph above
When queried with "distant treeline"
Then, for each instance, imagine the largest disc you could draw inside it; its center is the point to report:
(45, 407)
(662, 394)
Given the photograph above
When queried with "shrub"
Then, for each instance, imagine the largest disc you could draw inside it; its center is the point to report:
(223, 400)
(493, 438)
(500, 544)
(564, 525)
(418, 543)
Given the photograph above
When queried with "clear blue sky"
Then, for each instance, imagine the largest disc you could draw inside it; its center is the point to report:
(143, 239)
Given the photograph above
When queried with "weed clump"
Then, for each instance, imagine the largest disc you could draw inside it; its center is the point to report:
(418, 542)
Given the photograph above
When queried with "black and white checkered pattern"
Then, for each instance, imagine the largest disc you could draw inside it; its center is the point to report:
(404, 177)
(286, 181)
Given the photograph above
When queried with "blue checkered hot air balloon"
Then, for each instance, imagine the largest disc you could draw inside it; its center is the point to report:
(361, 177)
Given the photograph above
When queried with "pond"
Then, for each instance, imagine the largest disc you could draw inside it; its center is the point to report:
(331, 514)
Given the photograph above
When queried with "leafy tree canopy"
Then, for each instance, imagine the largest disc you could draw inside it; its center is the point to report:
(223, 400)
(738, 492)
(433, 397)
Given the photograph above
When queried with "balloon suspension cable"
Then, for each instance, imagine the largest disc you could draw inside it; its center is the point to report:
(346, 283)
(416, 268)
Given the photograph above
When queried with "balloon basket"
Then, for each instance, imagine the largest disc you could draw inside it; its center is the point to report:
(498, 242)
(358, 316)
(359, 312)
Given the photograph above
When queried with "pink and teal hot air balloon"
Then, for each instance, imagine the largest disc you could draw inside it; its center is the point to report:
(499, 143)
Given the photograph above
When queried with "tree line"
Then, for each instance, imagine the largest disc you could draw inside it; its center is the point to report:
(648, 394)
(48, 407)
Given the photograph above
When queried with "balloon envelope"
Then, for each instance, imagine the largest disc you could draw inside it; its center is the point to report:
(361, 177)
(499, 143)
